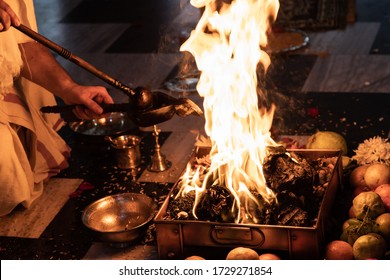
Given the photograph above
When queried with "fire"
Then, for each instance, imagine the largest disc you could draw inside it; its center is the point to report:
(227, 46)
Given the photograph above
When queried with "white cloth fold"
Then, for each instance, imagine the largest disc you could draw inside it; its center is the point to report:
(10, 61)
(31, 149)
(10, 57)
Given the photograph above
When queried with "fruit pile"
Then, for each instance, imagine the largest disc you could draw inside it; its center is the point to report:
(366, 232)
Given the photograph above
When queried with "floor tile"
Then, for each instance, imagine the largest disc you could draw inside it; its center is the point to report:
(373, 11)
(288, 73)
(145, 70)
(147, 21)
(52, 11)
(347, 73)
(83, 37)
(31, 222)
(381, 44)
(344, 41)
(139, 38)
(119, 11)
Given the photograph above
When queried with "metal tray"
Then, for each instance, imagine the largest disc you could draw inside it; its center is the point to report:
(174, 236)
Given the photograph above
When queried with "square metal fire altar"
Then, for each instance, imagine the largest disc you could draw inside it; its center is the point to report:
(174, 236)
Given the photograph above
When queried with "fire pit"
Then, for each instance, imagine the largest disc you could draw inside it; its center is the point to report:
(296, 238)
(249, 192)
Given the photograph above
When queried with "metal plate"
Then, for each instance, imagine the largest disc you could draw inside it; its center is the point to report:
(287, 40)
(114, 124)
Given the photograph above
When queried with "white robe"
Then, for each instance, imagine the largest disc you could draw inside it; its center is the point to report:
(31, 151)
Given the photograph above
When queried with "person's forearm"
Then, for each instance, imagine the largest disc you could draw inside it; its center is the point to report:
(43, 69)
(40, 66)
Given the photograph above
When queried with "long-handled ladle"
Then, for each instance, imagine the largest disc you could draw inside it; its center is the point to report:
(145, 107)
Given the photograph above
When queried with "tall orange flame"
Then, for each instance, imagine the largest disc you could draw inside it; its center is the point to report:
(227, 46)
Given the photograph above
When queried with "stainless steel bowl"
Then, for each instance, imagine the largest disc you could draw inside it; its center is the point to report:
(120, 219)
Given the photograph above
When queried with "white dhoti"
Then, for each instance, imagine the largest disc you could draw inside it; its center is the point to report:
(31, 151)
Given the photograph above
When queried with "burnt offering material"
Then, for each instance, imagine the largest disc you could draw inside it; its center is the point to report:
(214, 205)
(305, 183)
(299, 185)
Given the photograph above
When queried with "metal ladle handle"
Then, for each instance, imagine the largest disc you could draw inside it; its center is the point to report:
(75, 59)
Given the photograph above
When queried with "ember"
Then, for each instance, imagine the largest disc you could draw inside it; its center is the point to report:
(299, 185)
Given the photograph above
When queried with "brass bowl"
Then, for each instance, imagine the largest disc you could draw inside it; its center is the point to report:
(121, 218)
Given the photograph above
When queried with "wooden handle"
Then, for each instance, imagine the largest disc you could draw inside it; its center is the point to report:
(75, 59)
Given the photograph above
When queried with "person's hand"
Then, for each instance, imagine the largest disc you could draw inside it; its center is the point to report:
(45, 71)
(7, 17)
(90, 97)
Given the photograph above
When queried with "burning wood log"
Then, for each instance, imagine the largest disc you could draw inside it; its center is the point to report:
(299, 185)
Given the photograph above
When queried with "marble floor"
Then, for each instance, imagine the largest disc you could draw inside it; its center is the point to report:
(343, 74)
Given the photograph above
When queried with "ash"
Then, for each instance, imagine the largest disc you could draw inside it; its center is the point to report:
(299, 184)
